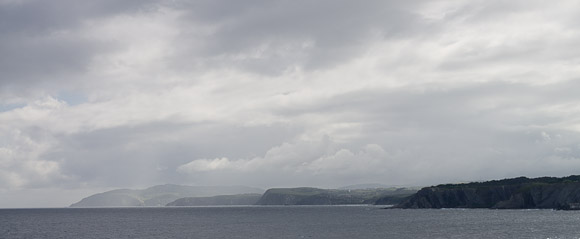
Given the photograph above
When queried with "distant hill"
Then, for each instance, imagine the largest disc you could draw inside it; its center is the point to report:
(316, 196)
(221, 200)
(513, 193)
(365, 186)
(159, 195)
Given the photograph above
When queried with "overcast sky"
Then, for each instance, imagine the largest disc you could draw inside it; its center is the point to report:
(98, 95)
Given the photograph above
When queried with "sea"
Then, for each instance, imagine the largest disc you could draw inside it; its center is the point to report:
(286, 222)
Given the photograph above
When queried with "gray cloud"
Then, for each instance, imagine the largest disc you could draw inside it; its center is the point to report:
(146, 154)
(41, 43)
(35, 17)
(273, 36)
(483, 124)
(108, 94)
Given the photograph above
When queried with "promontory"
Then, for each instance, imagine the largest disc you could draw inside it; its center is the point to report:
(514, 193)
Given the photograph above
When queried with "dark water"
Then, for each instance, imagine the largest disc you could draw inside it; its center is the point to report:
(286, 222)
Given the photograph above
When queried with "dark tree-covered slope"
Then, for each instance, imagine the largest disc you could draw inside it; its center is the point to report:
(514, 193)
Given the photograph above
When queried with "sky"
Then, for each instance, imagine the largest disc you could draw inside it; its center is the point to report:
(99, 95)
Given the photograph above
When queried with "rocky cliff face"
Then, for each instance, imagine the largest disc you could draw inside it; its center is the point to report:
(517, 193)
(295, 196)
(316, 196)
(434, 197)
(221, 200)
(564, 196)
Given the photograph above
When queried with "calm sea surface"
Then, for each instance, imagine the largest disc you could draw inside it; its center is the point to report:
(286, 222)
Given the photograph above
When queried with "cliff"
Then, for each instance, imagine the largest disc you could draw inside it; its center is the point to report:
(159, 195)
(316, 196)
(221, 200)
(515, 193)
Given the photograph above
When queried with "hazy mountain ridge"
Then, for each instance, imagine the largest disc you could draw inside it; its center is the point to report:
(158, 195)
(514, 193)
